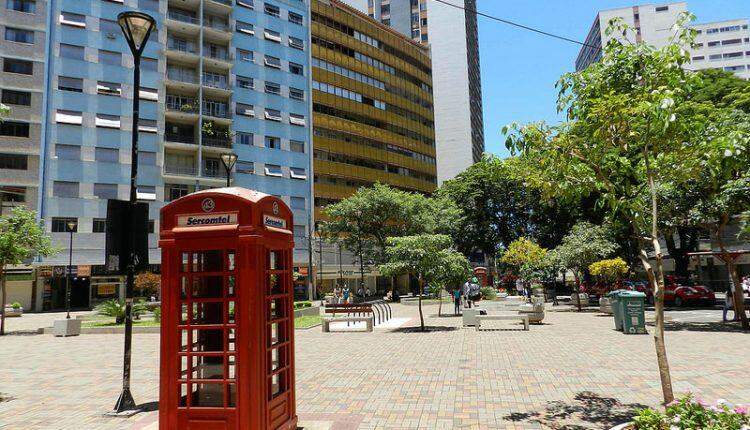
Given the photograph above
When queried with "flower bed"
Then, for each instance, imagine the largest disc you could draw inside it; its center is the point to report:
(694, 414)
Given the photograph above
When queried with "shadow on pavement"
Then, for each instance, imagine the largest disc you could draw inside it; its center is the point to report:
(149, 407)
(426, 329)
(6, 397)
(587, 411)
(717, 327)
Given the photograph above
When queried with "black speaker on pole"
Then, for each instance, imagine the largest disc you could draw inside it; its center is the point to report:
(119, 235)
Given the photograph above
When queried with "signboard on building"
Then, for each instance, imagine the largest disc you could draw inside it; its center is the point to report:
(206, 220)
(106, 289)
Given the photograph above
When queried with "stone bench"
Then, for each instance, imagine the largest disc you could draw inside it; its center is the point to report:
(369, 320)
(523, 318)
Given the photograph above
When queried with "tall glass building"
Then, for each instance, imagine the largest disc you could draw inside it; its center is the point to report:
(218, 76)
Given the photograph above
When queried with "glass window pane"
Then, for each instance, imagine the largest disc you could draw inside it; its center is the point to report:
(207, 313)
(208, 261)
(231, 340)
(276, 309)
(209, 367)
(207, 395)
(185, 260)
(232, 400)
(183, 287)
(230, 260)
(231, 309)
(276, 333)
(208, 340)
(208, 286)
(183, 395)
(274, 284)
(184, 340)
(230, 286)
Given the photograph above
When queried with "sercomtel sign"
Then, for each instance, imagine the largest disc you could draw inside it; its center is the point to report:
(272, 221)
(204, 220)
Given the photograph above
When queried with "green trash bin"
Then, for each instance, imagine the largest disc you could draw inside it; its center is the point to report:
(633, 308)
(614, 297)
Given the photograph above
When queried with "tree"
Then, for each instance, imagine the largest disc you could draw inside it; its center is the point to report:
(429, 257)
(365, 220)
(583, 245)
(4, 111)
(722, 89)
(631, 126)
(22, 237)
(527, 257)
(147, 283)
(610, 270)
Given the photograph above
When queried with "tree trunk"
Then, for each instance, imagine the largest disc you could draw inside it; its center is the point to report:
(2, 300)
(739, 297)
(577, 280)
(688, 243)
(440, 302)
(657, 281)
(421, 316)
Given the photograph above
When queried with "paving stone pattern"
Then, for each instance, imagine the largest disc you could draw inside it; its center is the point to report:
(573, 371)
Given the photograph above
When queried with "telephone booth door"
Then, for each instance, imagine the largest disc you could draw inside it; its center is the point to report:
(279, 335)
(207, 353)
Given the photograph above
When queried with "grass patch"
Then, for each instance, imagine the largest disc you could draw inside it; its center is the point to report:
(111, 323)
(307, 321)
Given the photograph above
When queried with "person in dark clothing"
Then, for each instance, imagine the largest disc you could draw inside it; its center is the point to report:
(457, 301)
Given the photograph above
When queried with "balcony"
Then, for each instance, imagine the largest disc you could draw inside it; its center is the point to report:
(179, 138)
(183, 21)
(181, 45)
(216, 109)
(181, 104)
(182, 75)
(217, 141)
(180, 170)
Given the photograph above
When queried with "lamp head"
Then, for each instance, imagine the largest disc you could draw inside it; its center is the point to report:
(228, 160)
(72, 224)
(137, 27)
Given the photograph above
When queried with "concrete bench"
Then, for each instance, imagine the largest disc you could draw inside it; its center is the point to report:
(481, 318)
(367, 320)
(469, 315)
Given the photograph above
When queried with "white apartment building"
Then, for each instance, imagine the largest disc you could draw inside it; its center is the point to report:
(453, 38)
(718, 45)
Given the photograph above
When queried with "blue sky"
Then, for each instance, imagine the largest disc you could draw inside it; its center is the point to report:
(520, 68)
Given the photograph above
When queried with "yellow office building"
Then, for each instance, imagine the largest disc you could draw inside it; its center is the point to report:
(372, 106)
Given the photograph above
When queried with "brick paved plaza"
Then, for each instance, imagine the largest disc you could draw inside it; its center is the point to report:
(574, 370)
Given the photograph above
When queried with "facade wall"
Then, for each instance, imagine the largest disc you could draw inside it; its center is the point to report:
(459, 128)
(723, 45)
(23, 94)
(372, 106)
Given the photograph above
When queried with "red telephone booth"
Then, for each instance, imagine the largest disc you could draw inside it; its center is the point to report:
(481, 274)
(227, 333)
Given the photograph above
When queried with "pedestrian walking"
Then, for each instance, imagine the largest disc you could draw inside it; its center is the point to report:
(465, 292)
(457, 301)
(346, 293)
(729, 303)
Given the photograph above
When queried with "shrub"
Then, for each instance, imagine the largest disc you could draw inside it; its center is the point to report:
(689, 413)
(157, 314)
(15, 305)
(302, 305)
(609, 270)
(488, 293)
(116, 309)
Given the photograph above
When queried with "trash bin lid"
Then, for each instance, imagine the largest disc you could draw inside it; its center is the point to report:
(632, 294)
(615, 293)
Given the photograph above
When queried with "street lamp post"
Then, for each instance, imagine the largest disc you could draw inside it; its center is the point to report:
(137, 27)
(228, 161)
(72, 225)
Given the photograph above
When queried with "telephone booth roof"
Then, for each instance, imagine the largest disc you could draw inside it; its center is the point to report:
(231, 210)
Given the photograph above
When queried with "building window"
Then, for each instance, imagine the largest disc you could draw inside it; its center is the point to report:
(272, 62)
(110, 28)
(69, 117)
(244, 82)
(71, 51)
(150, 94)
(246, 167)
(108, 88)
(296, 43)
(70, 84)
(151, 226)
(12, 194)
(147, 125)
(149, 64)
(244, 27)
(25, 6)
(67, 152)
(244, 138)
(245, 55)
(273, 170)
(110, 57)
(273, 142)
(272, 10)
(21, 98)
(74, 19)
(246, 3)
(22, 67)
(107, 155)
(105, 191)
(245, 110)
(273, 88)
(14, 129)
(100, 225)
(298, 173)
(146, 192)
(273, 115)
(295, 18)
(296, 69)
(297, 119)
(65, 189)
(297, 203)
(107, 121)
(297, 146)
(296, 94)
(60, 225)
(272, 35)
(662, 8)
(19, 35)
(147, 158)
(175, 191)
(14, 161)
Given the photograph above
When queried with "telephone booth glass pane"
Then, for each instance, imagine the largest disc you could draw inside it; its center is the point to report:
(207, 327)
(278, 321)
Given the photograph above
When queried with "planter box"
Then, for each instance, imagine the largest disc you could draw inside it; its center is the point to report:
(64, 328)
(311, 311)
(11, 312)
(605, 305)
